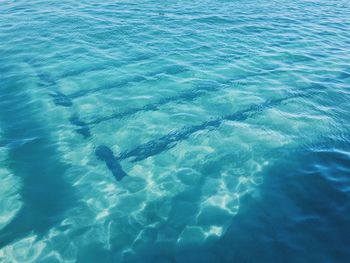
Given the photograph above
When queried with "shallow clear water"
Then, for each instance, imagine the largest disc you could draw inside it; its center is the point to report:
(174, 131)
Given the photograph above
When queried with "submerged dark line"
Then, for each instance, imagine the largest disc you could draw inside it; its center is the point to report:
(83, 127)
(185, 96)
(170, 140)
(67, 99)
(105, 154)
(91, 68)
(108, 65)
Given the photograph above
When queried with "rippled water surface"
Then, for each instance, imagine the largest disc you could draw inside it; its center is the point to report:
(175, 131)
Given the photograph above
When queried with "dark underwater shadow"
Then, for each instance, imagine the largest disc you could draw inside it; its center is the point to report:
(301, 215)
(44, 193)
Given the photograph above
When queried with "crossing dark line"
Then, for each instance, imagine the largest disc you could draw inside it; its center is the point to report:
(107, 65)
(170, 140)
(83, 127)
(35, 63)
(67, 99)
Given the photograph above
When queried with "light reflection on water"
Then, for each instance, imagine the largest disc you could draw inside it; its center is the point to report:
(223, 127)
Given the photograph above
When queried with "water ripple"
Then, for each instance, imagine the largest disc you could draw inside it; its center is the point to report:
(225, 123)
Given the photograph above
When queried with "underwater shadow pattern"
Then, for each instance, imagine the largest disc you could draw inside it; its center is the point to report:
(83, 127)
(170, 140)
(66, 100)
(154, 147)
(34, 158)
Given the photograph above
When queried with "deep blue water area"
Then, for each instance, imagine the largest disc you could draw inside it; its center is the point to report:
(175, 131)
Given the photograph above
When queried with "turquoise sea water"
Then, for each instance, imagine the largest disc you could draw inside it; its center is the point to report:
(175, 131)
